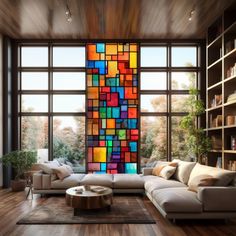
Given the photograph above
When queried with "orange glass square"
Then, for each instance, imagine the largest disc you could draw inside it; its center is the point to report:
(111, 49)
(92, 53)
(93, 93)
(95, 114)
(111, 123)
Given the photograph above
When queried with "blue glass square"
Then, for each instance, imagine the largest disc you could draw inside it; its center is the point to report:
(103, 167)
(100, 47)
(131, 168)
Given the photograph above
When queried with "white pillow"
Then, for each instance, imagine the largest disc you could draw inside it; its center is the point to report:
(183, 170)
(167, 172)
(69, 168)
(47, 167)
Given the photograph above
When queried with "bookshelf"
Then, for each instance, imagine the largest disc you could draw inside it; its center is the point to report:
(221, 90)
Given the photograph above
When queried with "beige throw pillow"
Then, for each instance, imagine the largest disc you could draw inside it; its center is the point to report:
(167, 172)
(157, 170)
(69, 168)
(201, 180)
(61, 172)
(183, 170)
(47, 167)
(224, 177)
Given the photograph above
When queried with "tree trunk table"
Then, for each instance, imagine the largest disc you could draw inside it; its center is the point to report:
(89, 197)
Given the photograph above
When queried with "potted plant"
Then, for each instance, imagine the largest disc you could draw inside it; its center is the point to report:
(20, 161)
(197, 142)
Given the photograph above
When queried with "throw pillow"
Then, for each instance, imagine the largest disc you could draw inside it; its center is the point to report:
(158, 168)
(47, 167)
(167, 171)
(61, 172)
(224, 177)
(69, 168)
(183, 170)
(201, 180)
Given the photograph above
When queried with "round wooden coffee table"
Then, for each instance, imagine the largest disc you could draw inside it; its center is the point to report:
(80, 198)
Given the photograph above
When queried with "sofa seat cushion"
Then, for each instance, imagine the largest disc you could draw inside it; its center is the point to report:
(177, 200)
(131, 181)
(98, 179)
(68, 182)
(160, 183)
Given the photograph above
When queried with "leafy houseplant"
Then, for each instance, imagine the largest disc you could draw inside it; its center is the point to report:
(197, 142)
(20, 161)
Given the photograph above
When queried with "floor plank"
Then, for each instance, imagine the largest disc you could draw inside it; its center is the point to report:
(14, 205)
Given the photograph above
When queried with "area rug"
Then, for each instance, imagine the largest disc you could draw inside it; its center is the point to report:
(124, 210)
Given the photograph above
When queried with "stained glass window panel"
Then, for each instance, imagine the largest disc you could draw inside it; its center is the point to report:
(112, 108)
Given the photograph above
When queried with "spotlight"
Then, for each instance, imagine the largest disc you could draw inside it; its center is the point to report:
(191, 15)
(68, 13)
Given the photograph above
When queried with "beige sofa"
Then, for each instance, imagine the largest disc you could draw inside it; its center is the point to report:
(170, 196)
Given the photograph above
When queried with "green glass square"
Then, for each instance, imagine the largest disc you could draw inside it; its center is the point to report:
(109, 143)
(109, 112)
(121, 134)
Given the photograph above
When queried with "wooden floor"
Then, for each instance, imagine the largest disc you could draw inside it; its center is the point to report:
(14, 205)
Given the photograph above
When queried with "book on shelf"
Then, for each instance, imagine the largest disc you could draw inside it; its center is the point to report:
(233, 142)
(231, 165)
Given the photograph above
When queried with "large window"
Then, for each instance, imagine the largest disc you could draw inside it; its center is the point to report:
(167, 71)
(55, 114)
(51, 81)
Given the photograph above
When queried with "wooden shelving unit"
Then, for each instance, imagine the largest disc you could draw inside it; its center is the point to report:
(220, 90)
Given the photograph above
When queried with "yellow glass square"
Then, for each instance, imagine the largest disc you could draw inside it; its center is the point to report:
(112, 69)
(133, 60)
(99, 154)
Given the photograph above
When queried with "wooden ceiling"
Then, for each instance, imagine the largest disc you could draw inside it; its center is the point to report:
(109, 19)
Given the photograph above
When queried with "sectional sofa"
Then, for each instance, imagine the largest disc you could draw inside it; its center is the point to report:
(172, 197)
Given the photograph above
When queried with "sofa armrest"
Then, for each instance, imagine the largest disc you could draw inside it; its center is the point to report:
(217, 198)
(41, 181)
(147, 170)
(37, 180)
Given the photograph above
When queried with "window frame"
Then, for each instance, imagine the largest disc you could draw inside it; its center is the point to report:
(50, 114)
(16, 121)
(169, 92)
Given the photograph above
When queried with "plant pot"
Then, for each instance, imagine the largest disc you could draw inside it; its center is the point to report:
(18, 185)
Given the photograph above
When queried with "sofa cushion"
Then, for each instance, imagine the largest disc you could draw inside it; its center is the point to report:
(68, 182)
(177, 200)
(160, 183)
(167, 171)
(68, 168)
(132, 181)
(61, 172)
(224, 176)
(47, 167)
(97, 179)
(159, 167)
(201, 180)
(183, 170)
